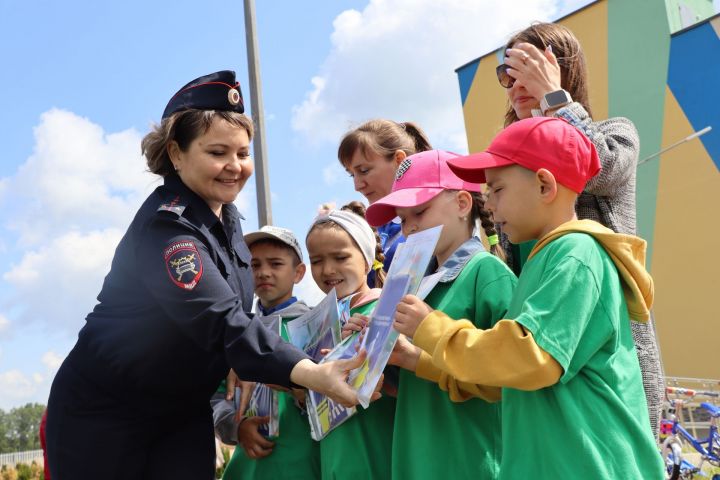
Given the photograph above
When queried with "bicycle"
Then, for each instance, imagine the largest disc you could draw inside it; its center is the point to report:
(709, 448)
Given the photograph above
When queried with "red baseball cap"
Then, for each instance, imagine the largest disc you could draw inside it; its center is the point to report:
(419, 179)
(535, 143)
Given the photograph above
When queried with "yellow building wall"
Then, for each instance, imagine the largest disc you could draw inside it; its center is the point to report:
(686, 283)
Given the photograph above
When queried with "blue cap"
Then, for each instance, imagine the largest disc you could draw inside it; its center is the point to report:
(216, 91)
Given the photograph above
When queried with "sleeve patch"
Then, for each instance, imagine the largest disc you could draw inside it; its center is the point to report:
(183, 264)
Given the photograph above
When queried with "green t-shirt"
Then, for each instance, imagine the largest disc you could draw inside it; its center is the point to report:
(594, 422)
(436, 438)
(360, 448)
(296, 456)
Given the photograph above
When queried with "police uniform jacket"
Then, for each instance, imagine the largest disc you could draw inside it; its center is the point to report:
(172, 312)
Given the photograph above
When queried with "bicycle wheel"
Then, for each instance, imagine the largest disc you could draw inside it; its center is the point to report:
(672, 455)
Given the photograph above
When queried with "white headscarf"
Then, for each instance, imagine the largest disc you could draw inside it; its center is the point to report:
(356, 227)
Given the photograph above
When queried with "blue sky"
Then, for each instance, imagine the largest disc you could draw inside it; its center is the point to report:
(82, 82)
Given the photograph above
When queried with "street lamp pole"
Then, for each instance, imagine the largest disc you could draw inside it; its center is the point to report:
(259, 145)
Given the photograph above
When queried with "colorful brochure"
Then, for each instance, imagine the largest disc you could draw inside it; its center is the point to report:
(264, 403)
(317, 329)
(406, 273)
(324, 414)
(264, 400)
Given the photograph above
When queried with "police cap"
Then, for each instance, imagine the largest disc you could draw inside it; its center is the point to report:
(215, 91)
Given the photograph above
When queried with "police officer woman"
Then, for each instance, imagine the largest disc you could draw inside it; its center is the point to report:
(131, 401)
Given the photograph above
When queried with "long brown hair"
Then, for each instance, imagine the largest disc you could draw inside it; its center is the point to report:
(383, 137)
(567, 49)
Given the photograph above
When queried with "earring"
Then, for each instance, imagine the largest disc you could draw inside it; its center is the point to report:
(176, 168)
(464, 219)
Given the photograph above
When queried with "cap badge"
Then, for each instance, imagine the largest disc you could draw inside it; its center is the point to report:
(233, 96)
(404, 166)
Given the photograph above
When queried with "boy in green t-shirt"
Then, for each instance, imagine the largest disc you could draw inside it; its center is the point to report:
(573, 404)
(277, 266)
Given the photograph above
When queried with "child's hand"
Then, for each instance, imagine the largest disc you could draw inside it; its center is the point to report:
(410, 312)
(356, 323)
(255, 445)
(405, 354)
(246, 390)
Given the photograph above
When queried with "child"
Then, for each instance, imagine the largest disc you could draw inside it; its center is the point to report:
(277, 266)
(474, 284)
(572, 398)
(342, 249)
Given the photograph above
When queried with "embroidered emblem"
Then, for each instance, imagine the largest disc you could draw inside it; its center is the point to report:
(404, 166)
(183, 264)
(175, 206)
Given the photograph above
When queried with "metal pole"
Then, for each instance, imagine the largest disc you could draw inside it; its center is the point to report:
(692, 136)
(259, 145)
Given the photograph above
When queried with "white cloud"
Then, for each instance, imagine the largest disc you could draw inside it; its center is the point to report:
(396, 59)
(66, 273)
(19, 387)
(16, 388)
(4, 323)
(52, 360)
(78, 178)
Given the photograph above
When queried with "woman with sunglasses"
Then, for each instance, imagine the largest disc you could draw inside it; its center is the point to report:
(544, 73)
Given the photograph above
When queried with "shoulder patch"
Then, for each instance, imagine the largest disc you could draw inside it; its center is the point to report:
(183, 264)
(176, 205)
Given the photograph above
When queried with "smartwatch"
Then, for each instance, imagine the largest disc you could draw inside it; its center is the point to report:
(556, 99)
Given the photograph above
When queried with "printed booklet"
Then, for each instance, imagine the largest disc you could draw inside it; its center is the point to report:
(317, 329)
(405, 276)
(264, 400)
(313, 332)
(324, 414)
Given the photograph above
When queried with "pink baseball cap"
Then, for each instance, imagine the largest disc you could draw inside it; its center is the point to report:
(419, 179)
(535, 143)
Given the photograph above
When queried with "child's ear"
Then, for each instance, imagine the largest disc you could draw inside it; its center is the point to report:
(300, 270)
(464, 201)
(548, 185)
(399, 156)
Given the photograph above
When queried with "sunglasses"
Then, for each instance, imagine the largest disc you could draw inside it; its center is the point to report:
(503, 76)
(507, 81)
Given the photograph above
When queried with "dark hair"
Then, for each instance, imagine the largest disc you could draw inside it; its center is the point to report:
(478, 212)
(567, 49)
(358, 208)
(184, 127)
(279, 244)
(383, 137)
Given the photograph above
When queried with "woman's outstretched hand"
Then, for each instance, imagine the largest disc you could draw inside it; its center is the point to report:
(330, 378)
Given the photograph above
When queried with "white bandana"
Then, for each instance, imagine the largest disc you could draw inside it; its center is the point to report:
(356, 227)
